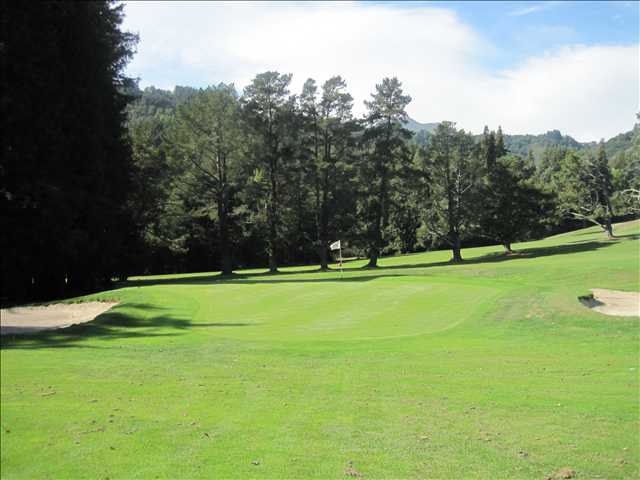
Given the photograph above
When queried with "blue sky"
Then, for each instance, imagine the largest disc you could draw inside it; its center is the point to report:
(529, 28)
(527, 66)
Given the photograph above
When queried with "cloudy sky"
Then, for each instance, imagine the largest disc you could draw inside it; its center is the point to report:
(527, 66)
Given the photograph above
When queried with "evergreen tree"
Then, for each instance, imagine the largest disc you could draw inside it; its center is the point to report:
(627, 175)
(453, 165)
(602, 183)
(66, 162)
(207, 141)
(336, 128)
(500, 148)
(268, 110)
(583, 185)
(410, 190)
(511, 207)
(489, 149)
(385, 153)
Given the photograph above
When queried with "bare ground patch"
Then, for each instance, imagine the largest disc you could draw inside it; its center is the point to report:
(19, 320)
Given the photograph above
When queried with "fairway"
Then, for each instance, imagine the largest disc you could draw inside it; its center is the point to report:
(418, 369)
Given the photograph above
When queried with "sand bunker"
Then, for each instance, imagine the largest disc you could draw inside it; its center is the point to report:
(613, 302)
(34, 319)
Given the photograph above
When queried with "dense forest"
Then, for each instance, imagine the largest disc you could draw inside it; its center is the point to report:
(101, 180)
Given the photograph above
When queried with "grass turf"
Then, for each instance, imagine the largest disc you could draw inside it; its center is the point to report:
(421, 368)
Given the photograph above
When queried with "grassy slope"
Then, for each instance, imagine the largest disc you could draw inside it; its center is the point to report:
(418, 369)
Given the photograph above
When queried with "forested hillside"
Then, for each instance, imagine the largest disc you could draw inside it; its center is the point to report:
(537, 144)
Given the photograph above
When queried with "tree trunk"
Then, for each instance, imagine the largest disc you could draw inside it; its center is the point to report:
(455, 246)
(609, 229)
(322, 253)
(507, 247)
(272, 218)
(374, 249)
(373, 258)
(225, 247)
(323, 224)
(273, 263)
(608, 224)
(225, 253)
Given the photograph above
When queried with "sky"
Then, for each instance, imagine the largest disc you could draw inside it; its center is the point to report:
(528, 67)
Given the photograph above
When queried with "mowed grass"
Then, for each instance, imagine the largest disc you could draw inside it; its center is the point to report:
(488, 369)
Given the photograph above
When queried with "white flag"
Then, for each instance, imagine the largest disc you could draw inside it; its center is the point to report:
(335, 245)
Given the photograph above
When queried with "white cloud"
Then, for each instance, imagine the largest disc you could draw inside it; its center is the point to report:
(590, 92)
(586, 91)
(526, 11)
(535, 8)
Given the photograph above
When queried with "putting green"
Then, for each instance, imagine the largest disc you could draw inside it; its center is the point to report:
(342, 309)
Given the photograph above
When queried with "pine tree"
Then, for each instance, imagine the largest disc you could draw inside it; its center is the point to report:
(207, 141)
(452, 162)
(385, 153)
(500, 148)
(602, 182)
(268, 109)
(511, 207)
(489, 149)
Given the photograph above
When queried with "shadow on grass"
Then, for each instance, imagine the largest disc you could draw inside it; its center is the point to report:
(627, 236)
(111, 325)
(253, 278)
(497, 257)
(285, 277)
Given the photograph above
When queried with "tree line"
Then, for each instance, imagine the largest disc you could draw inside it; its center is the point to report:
(271, 177)
(100, 180)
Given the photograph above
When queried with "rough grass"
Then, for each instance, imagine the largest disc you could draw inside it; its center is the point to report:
(488, 369)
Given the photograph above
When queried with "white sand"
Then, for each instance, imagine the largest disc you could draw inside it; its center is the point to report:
(34, 319)
(613, 302)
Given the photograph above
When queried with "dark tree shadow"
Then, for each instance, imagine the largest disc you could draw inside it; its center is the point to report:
(252, 278)
(111, 325)
(496, 257)
(628, 236)
(284, 277)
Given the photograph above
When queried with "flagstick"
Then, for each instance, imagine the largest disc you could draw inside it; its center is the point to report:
(332, 247)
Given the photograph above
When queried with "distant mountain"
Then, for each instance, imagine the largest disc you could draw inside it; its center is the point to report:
(537, 144)
(522, 144)
(622, 142)
(416, 127)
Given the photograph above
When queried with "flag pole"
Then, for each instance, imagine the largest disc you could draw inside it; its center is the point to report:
(337, 245)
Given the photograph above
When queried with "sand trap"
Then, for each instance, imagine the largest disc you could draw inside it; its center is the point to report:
(50, 317)
(613, 302)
